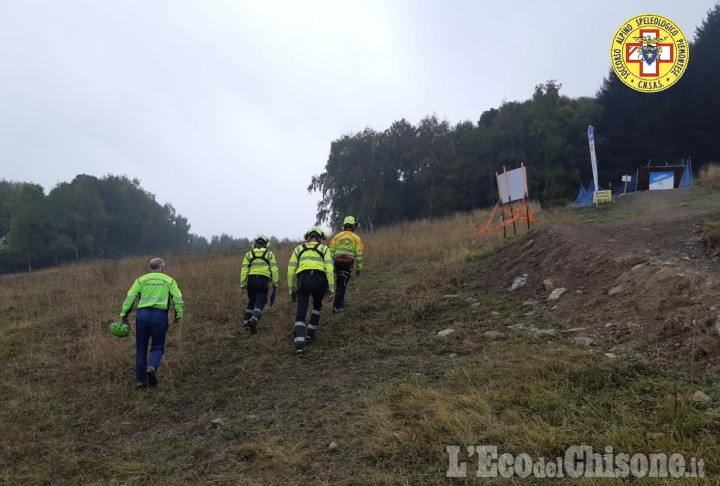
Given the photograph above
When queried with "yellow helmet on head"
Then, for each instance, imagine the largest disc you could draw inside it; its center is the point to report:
(315, 231)
(261, 241)
(351, 222)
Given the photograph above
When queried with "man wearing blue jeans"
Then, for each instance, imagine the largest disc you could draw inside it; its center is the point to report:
(153, 292)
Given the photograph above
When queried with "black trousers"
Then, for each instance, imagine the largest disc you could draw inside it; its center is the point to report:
(343, 272)
(313, 284)
(257, 291)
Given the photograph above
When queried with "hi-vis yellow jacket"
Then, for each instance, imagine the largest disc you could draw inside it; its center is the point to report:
(311, 256)
(259, 261)
(154, 290)
(348, 244)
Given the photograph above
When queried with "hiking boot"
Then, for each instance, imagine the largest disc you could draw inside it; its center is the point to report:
(300, 353)
(309, 338)
(252, 324)
(140, 384)
(151, 376)
(337, 310)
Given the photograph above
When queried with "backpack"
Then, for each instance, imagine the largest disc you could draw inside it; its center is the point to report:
(313, 248)
(260, 257)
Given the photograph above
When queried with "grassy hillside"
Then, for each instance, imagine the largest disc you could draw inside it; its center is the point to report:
(377, 401)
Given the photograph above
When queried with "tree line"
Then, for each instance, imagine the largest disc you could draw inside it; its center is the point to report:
(433, 169)
(109, 217)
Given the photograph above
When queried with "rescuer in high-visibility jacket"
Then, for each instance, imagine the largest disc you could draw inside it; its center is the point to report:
(311, 266)
(346, 250)
(259, 271)
(153, 292)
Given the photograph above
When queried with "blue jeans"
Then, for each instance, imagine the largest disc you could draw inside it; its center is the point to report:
(151, 326)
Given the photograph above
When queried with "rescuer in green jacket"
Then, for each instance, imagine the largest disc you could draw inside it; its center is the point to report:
(311, 265)
(259, 270)
(153, 292)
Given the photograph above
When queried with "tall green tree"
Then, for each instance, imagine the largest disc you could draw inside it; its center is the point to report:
(176, 230)
(8, 192)
(351, 181)
(435, 150)
(78, 217)
(697, 111)
(400, 196)
(31, 233)
(138, 223)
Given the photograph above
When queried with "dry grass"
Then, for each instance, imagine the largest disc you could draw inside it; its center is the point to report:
(711, 238)
(709, 175)
(379, 385)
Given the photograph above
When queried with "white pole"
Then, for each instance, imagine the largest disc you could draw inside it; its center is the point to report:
(593, 161)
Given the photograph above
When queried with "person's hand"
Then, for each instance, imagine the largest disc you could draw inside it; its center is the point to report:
(357, 274)
(293, 297)
(243, 290)
(125, 320)
(329, 296)
(176, 322)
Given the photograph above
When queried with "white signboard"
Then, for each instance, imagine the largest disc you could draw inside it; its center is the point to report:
(661, 180)
(511, 185)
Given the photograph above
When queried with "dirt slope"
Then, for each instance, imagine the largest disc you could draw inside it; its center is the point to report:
(638, 275)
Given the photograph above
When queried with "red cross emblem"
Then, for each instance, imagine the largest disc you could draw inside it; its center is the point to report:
(648, 53)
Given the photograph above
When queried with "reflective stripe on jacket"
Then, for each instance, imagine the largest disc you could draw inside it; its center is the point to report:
(348, 244)
(154, 290)
(311, 256)
(258, 266)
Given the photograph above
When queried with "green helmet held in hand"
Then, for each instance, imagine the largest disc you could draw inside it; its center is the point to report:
(119, 329)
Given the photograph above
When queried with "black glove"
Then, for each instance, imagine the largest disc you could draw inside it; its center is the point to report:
(293, 297)
(357, 274)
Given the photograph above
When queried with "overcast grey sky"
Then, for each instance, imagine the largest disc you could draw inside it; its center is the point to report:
(226, 109)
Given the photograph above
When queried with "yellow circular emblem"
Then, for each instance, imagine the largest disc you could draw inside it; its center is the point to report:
(649, 53)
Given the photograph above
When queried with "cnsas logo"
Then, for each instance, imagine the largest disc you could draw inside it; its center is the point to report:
(649, 53)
